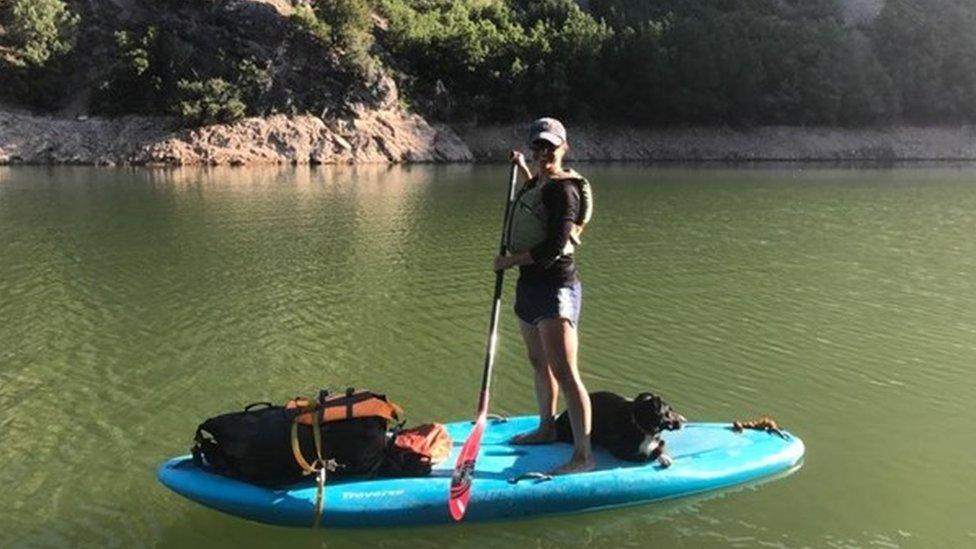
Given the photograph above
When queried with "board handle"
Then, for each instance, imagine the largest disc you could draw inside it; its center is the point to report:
(537, 477)
(494, 418)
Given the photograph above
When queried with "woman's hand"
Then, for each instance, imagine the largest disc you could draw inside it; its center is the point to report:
(518, 159)
(502, 262)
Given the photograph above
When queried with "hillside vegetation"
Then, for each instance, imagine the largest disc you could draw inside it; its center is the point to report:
(628, 62)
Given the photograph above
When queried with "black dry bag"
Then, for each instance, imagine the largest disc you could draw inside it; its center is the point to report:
(256, 445)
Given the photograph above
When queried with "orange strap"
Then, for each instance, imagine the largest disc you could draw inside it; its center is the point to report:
(296, 449)
(318, 469)
(347, 406)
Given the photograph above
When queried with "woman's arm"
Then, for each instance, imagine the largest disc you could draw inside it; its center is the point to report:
(562, 201)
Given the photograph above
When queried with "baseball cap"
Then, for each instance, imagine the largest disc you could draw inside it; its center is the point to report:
(547, 129)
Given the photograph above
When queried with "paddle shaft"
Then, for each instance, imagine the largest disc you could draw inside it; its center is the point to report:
(464, 466)
(496, 303)
(497, 300)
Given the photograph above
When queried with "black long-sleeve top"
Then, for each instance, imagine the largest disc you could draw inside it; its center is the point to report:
(562, 202)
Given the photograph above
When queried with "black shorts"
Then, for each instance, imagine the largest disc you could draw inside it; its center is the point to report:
(536, 301)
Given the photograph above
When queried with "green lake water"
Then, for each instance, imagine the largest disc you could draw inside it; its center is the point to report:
(136, 303)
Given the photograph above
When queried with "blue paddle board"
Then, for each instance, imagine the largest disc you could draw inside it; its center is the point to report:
(706, 456)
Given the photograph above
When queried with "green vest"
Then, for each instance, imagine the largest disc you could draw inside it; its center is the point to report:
(527, 225)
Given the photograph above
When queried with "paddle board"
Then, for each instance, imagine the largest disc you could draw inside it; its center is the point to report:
(706, 456)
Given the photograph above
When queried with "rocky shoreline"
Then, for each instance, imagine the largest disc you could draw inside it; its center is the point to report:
(391, 135)
(367, 136)
(774, 143)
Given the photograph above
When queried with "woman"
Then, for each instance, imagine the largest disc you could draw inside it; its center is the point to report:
(548, 214)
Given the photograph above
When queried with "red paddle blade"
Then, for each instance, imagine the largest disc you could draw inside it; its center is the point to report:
(464, 471)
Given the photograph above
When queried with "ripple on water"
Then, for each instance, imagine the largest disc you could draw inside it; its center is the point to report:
(133, 304)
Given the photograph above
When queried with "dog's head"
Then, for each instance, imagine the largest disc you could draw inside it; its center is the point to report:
(652, 415)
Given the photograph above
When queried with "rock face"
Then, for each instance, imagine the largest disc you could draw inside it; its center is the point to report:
(390, 135)
(387, 136)
(30, 139)
(861, 11)
(373, 130)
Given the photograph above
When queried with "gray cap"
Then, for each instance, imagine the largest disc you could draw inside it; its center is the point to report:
(547, 129)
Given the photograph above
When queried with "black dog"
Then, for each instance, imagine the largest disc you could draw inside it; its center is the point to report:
(629, 429)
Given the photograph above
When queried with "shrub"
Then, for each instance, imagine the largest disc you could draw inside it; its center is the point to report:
(209, 101)
(306, 19)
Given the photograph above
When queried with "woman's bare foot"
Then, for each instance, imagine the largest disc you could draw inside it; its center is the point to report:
(542, 435)
(575, 465)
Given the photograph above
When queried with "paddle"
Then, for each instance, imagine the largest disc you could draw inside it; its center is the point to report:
(464, 466)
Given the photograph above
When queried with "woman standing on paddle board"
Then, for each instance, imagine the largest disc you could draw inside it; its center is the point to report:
(547, 217)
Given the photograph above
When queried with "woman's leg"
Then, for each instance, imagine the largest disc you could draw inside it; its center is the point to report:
(559, 340)
(545, 389)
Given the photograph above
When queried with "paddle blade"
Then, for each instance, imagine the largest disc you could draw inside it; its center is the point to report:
(464, 471)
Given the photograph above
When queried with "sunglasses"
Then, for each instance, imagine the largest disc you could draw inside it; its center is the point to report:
(541, 146)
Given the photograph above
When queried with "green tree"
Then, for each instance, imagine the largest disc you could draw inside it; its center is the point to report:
(471, 47)
(147, 68)
(351, 24)
(499, 60)
(563, 58)
(869, 94)
(929, 49)
(37, 30)
(637, 82)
